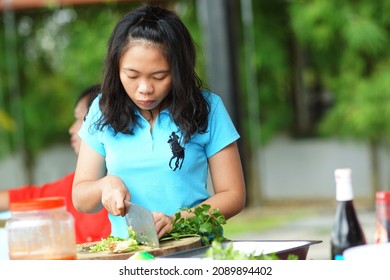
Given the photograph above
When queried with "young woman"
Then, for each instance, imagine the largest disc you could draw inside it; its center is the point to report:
(152, 134)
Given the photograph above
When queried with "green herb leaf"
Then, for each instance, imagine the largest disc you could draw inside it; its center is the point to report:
(203, 223)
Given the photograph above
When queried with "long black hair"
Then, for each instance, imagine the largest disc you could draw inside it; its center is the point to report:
(185, 102)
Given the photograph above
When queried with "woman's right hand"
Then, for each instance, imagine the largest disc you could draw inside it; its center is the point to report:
(114, 193)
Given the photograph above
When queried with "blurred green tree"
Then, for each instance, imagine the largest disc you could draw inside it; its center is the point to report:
(54, 54)
(347, 47)
(320, 69)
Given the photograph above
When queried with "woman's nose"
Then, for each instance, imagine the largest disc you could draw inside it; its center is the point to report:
(145, 87)
(71, 129)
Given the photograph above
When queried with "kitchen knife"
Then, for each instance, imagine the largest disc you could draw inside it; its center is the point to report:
(141, 221)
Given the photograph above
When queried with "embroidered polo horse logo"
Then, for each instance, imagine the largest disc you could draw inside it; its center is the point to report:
(177, 151)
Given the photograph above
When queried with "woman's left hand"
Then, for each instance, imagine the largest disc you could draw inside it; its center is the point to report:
(163, 223)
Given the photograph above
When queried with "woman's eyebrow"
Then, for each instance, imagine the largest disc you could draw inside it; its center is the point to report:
(155, 72)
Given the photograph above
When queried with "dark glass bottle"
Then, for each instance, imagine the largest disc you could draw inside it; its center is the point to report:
(347, 231)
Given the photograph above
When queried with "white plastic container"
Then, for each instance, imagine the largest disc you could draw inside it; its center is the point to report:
(41, 229)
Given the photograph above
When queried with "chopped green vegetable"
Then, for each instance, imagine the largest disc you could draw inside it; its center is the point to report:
(201, 222)
(103, 245)
(125, 246)
(116, 244)
(131, 232)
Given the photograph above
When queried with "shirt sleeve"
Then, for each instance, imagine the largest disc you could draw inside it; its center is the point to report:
(89, 132)
(62, 187)
(221, 128)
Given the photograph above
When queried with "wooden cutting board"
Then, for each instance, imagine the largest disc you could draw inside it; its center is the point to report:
(166, 247)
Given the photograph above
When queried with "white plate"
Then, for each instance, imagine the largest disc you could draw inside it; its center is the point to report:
(281, 247)
(379, 251)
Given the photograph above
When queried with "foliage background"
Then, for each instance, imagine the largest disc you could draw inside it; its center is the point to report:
(60, 52)
(321, 69)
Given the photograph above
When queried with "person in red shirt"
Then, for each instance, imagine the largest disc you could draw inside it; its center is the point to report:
(89, 227)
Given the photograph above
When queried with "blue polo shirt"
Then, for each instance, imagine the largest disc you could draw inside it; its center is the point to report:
(161, 172)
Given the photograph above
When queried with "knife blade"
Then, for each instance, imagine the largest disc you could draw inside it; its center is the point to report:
(141, 221)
